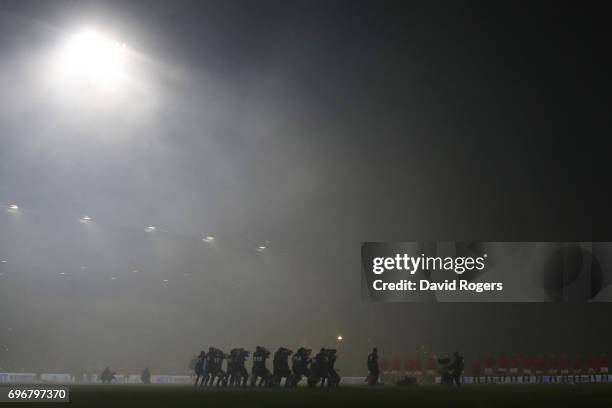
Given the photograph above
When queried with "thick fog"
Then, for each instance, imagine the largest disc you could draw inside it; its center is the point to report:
(304, 130)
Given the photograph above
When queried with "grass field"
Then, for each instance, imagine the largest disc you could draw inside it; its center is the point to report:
(425, 396)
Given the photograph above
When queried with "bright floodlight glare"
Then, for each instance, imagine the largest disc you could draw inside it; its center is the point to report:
(208, 238)
(261, 248)
(339, 338)
(94, 57)
(150, 228)
(85, 219)
(13, 208)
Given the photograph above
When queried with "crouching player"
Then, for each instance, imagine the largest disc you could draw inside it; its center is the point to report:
(280, 366)
(299, 365)
(236, 369)
(216, 370)
(319, 369)
(259, 370)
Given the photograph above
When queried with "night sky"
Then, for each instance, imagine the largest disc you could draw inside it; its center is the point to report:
(308, 127)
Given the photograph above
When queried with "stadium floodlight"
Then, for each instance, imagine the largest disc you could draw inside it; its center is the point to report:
(165, 280)
(86, 219)
(151, 228)
(340, 338)
(13, 208)
(261, 248)
(113, 277)
(3, 261)
(94, 57)
(209, 239)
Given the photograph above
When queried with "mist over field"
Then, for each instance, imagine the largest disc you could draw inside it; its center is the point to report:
(302, 129)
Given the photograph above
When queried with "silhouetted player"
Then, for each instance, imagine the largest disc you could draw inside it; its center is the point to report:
(456, 369)
(333, 379)
(236, 370)
(259, 369)
(107, 376)
(145, 377)
(299, 365)
(209, 366)
(280, 366)
(320, 370)
(217, 369)
(199, 368)
(373, 367)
